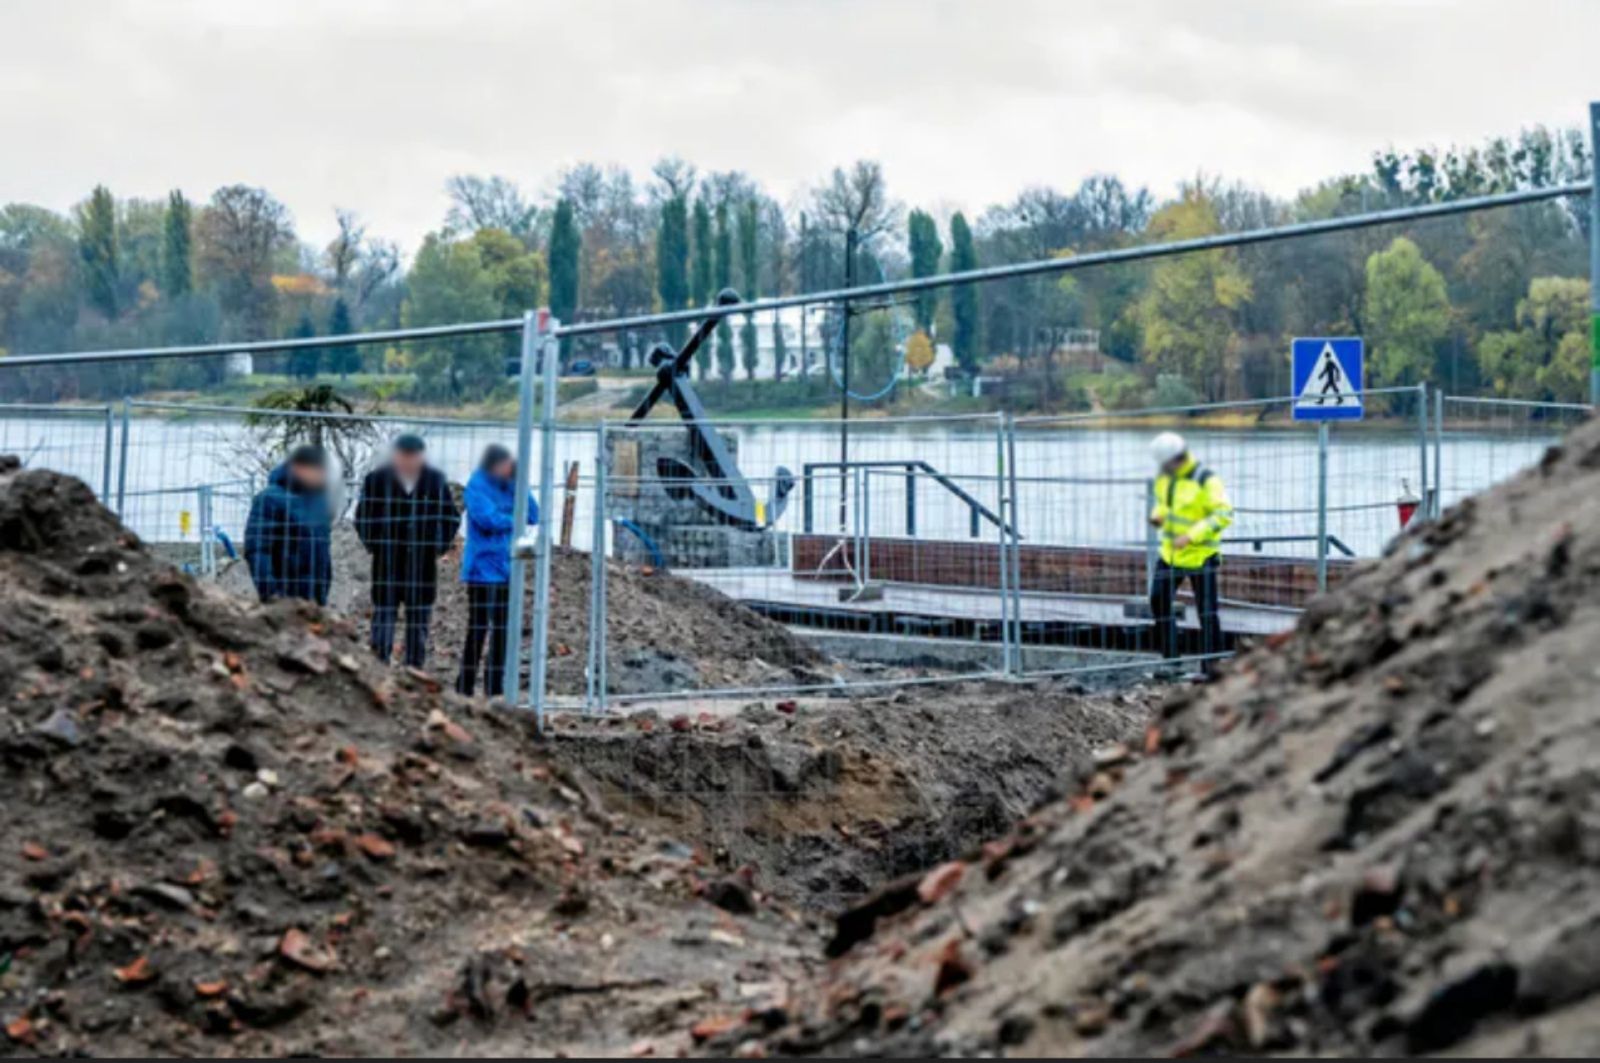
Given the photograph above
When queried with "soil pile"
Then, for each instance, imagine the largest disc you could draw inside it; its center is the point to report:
(1379, 834)
(665, 633)
(824, 799)
(227, 831)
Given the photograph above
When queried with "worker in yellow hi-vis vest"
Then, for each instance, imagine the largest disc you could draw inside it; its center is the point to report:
(1191, 509)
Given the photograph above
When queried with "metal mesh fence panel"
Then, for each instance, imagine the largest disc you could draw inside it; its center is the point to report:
(1483, 441)
(75, 440)
(1089, 554)
(871, 569)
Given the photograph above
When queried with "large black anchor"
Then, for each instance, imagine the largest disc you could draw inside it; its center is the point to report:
(717, 484)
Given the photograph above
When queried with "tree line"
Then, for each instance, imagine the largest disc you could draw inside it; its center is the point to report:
(1493, 302)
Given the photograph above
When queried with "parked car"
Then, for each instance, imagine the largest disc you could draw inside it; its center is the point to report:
(581, 367)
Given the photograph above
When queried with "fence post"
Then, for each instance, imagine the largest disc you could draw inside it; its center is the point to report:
(122, 460)
(539, 644)
(1015, 533)
(105, 463)
(596, 700)
(1322, 506)
(1152, 542)
(1438, 454)
(208, 553)
(1422, 444)
(865, 494)
(1006, 665)
(1594, 263)
(512, 680)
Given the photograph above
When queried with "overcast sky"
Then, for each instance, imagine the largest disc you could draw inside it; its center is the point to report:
(372, 105)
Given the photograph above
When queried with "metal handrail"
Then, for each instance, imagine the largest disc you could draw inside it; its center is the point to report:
(912, 467)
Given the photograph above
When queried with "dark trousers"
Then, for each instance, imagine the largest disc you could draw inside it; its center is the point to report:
(1163, 595)
(384, 618)
(487, 604)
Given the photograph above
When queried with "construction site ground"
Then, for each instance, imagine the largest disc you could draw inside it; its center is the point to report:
(230, 831)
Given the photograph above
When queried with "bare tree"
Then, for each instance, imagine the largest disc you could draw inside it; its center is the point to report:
(345, 250)
(239, 233)
(379, 263)
(676, 177)
(489, 203)
(857, 199)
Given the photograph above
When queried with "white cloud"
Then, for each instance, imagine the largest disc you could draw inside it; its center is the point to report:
(372, 104)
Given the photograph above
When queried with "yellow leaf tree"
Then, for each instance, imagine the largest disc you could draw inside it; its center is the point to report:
(1189, 309)
(919, 351)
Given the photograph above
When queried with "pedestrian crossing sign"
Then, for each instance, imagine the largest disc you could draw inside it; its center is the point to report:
(1328, 378)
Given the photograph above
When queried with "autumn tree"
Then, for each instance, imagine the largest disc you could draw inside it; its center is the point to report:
(1188, 310)
(489, 203)
(240, 233)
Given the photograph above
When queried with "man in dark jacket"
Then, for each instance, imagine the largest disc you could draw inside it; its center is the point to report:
(406, 518)
(286, 537)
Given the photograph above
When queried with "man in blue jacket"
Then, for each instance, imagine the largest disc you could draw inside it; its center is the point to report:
(486, 568)
(286, 539)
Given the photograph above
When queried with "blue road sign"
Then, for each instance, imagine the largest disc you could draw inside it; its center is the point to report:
(1328, 373)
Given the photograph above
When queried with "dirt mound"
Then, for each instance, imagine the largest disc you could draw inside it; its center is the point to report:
(1379, 834)
(228, 832)
(824, 799)
(665, 633)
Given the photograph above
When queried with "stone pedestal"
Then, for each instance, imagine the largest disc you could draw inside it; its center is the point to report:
(686, 533)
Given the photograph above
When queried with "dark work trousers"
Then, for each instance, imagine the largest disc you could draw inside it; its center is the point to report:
(1207, 600)
(487, 604)
(384, 618)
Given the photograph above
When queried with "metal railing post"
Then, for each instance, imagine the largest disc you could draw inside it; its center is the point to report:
(105, 462)
(208, 553)
(1152, 542)
(865, 494)
(1422, 445)
(596, 694)
(1594, 262)
(1015, 525)
(911, 501)
(1007, 665)
(1322, 506)
(512, 680)
(1438, 454)
(539, 645)
(122, 461)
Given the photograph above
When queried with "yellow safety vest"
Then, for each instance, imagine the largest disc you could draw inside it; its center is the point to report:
(1191, 502)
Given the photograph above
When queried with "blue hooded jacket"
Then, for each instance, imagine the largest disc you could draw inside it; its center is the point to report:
(491, 512)
(286, 540)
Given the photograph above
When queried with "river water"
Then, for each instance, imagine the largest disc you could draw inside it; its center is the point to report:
(1076, 485)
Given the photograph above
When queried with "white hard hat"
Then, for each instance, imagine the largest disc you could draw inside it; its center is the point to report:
(1166, 446)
